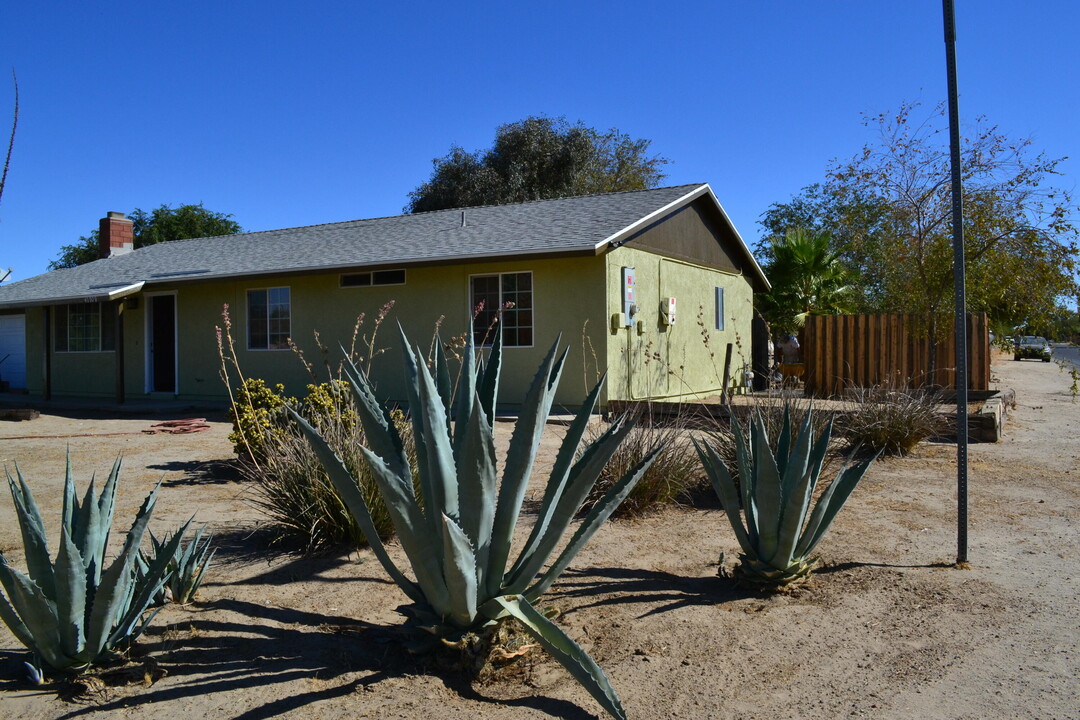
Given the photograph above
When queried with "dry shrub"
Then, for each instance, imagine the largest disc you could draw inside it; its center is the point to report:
(891, 420)
(295, 493)
(672, 477)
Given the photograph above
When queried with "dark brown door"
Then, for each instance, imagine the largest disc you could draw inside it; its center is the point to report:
(163, 343)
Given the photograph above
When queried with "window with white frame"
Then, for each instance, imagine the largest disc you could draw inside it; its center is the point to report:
(507, 296)
(84, 327)
(719, 308)
(269, 318)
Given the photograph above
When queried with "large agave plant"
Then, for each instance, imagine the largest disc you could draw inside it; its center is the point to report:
(775, 492)
(74, 612)
(457, 533)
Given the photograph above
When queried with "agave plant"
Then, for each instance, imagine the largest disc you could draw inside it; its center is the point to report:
(186, 567)
(775, 492)
(74, 613)
(457, 532)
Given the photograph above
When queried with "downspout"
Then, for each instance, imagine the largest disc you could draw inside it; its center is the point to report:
(119, 319)
(46, 355)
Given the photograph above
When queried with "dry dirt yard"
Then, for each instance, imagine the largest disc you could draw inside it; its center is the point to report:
(888, 629)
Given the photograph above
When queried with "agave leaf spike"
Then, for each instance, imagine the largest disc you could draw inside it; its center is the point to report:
(519, 461)
(116, 583)
(106, 506)
(69, 518)
(442, 494)
(379, 430)
(799, 474)
(38, 614)
(593, 521)
(477, 476)
(489, 383)
(783, 443)
(154, 579)
(442, 378)
(412, 396)
(581, 479)
(766, 481)
(354, 500)
(832, 500)
(70, 595)
(460, 573)
(7, 612)
(560, 473)
(724, 486)
(566, 651)
(35, 543)
(795, 519)
(744, 456)
(466, 394)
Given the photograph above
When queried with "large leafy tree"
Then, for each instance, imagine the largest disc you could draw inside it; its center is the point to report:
(536, 159)
(807, 278)
(162, 224)
(888, 210)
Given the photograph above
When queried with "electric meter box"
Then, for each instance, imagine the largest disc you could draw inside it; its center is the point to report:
(667, 311)
(629, 296)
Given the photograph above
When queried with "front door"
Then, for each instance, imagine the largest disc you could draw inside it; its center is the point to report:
(161, 343)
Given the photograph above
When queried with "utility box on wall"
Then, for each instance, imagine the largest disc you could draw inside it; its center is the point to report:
(667, 311)
(629, 296)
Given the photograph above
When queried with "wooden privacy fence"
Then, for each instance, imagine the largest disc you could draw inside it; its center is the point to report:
(844, 351)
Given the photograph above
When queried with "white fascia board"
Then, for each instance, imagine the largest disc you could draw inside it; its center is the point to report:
(685, 200)
(88, 297)
(642, 222)
(745, 247)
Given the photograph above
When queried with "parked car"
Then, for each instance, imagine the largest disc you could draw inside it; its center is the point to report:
(1030, 346)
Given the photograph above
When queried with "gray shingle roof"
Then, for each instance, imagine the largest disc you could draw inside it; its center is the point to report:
(576, 224)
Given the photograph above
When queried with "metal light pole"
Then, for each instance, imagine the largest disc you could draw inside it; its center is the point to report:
(959, 291)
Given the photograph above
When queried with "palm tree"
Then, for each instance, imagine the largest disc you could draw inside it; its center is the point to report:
(807, 277)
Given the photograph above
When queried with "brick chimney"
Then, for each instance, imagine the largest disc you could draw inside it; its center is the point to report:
(116, 235)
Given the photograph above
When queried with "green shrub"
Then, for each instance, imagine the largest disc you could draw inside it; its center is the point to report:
(891, 421)
(256, 414)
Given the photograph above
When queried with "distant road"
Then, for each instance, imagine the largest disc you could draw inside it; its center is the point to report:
(1067, 353)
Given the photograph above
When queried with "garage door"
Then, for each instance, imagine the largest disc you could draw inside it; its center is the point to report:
(13, 345)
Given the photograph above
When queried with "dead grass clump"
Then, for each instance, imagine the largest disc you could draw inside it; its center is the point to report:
(671, 479)
(891, 420)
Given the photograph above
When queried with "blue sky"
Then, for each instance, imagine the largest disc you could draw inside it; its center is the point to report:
(288, 114)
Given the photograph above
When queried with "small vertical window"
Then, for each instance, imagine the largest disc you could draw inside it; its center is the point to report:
(509, 297)
(719, 308)
(269, 315)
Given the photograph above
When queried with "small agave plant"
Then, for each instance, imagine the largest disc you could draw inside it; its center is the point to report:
(74, 613)
(186, 568)
(775, 492)
(457, 531)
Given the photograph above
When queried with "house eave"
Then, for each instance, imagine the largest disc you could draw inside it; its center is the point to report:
(116, 293)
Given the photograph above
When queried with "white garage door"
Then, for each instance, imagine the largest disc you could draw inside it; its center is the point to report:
(13, 344)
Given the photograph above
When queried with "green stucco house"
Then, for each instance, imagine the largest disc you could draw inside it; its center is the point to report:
(650, 286)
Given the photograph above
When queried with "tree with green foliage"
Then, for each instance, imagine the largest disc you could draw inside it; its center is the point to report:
(162, 224)
(888, 210)
(539, 158)
(807, 278)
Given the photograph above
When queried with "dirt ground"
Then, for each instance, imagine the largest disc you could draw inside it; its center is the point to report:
(888, 629)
